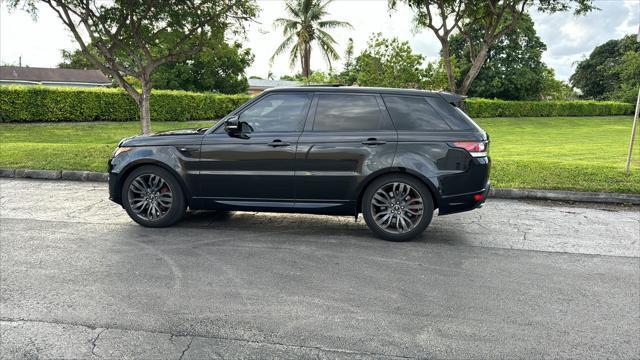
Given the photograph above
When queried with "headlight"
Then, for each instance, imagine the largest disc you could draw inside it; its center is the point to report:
(120, 150)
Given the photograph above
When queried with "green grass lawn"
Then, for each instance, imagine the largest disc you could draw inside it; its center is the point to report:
(586, 153)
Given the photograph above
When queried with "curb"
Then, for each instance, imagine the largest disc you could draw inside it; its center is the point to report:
(54, 175)
(561, 195)
(500, 193)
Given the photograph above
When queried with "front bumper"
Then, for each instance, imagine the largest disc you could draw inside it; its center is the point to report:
(114, 182)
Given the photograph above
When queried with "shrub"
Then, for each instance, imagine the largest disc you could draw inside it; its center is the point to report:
(480, 108)
(47, 104)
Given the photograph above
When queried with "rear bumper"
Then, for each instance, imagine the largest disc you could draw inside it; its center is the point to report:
(463, 202)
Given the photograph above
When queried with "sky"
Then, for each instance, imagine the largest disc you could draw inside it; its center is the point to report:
(569, 38)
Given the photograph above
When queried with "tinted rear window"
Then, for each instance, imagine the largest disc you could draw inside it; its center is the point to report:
(414, 113)
(421, 113)
(348, 113)
(456, 120)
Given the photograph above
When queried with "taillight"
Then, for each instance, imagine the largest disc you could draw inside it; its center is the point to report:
(475, 148)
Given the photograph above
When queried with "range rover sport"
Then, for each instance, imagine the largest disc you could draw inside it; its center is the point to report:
(394, 155)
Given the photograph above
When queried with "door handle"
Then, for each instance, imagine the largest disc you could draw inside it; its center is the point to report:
(278, 143)
(374, 141)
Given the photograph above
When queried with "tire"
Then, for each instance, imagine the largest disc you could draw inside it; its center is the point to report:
(163, 213)
(380, 202)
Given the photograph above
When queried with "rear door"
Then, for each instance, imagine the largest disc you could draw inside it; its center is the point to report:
(350, 137)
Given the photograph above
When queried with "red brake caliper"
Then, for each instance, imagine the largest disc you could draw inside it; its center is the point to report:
(164, 190)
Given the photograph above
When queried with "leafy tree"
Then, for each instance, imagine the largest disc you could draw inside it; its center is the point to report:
(349, 74)
(217, 67)
(608, 69)
(134, 37)
(494, 18)
(296, 77)
(554, 89)
(75, 60)
(513, 69)
(436, 74)
(307, 25)
(390, 63)
(316, 77)
(628, 71)
(320, 77)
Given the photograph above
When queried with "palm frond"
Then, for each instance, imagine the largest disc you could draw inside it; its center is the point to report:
(325, 36)
(329, 53)
(283, 47)
(316, 13)
(305, 25)
(332, 24)
(288, 26)
(325, 41)
(293, 9)
(294, 55)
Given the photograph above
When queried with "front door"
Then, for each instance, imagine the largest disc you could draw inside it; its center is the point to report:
(256, 167)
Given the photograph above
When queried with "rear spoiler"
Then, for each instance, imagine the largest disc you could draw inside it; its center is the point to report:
(453, 99)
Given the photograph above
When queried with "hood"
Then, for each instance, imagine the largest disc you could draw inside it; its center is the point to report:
(191, 131)
(171, 137)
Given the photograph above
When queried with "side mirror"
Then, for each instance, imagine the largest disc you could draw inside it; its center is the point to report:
(232, 124)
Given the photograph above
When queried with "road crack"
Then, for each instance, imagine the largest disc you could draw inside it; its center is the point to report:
(186, 348)
(223, 338)
(94, 341)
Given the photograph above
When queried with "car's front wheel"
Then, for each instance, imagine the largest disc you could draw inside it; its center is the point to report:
(397, 207)
(153, 197)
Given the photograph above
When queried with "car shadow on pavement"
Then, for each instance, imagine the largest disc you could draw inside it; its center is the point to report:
(305, 226)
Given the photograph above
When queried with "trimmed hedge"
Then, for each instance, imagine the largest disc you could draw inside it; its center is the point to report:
(482, 108)
(48, 104)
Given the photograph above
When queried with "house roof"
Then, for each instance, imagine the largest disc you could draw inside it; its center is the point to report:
(266, 84)
(16, 73)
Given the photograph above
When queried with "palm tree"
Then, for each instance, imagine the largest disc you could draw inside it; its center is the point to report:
(306, 25)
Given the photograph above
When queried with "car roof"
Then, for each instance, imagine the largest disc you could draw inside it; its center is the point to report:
(451, 98)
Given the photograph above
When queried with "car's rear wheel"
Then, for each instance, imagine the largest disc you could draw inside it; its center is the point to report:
(397, 207)
(153, 197)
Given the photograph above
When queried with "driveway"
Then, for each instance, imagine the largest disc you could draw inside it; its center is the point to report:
(511, 280)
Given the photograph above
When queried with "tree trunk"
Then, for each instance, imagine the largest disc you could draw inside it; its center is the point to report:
(446, 55)
(475, 68)
(145, 109)
(306, 59)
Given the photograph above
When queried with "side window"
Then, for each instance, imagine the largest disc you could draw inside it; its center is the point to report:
(450, 114)
(414, 113)
(278, 112)
(337, 112)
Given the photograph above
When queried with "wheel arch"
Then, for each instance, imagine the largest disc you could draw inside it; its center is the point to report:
(153, 162)
(398, 170)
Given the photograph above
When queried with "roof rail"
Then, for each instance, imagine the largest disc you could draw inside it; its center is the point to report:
(324, 85)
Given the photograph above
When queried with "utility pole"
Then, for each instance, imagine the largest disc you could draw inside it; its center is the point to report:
(633, 134)
(635, 122)
(20, 61)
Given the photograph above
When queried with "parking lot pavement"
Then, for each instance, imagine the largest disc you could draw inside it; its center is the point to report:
(78, 279)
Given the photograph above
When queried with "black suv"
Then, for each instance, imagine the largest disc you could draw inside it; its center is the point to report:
(393, 155)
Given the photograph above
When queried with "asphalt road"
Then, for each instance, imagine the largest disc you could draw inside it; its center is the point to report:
(78, 279)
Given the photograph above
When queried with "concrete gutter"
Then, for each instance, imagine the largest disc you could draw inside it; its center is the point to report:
(501, 193)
